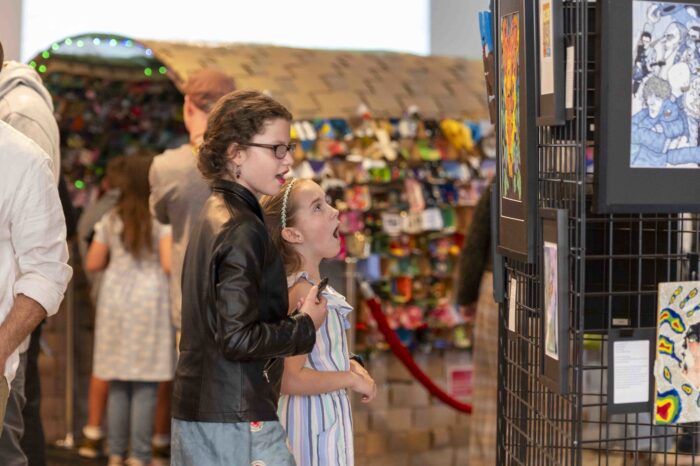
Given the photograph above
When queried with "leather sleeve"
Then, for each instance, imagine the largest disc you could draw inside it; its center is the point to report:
(240, 335)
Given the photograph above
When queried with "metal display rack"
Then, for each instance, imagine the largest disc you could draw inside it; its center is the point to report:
(615, 264)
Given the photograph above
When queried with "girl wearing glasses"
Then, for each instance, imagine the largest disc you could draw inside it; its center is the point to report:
(235, 328)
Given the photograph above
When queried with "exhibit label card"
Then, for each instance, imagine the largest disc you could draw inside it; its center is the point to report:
(631, 374)
(512, 296)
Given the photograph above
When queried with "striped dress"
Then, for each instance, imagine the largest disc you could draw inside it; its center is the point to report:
(319, 427)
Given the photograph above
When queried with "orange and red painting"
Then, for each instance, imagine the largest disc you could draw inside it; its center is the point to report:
(511, 178)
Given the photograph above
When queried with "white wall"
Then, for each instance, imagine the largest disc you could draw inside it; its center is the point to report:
(400, 25)
(10, 27)
(454, 27)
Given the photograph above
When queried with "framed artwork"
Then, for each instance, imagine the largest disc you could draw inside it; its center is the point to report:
(649, 107)
(551, 54)
(555, 292)
(517, 149)
(677, 368)
(487, 55)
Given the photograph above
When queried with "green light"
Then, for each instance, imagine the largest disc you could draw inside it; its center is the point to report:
(32, 64)
(148, 72)
(55, 46)
(96, 41)
(113, 42)
(42, 68)
(45, 54)
(68, 41)
(162, 70)
(80, 184)
(128, 43)
(79, 43)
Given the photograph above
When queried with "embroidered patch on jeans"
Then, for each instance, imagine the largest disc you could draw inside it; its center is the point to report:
(256, 426)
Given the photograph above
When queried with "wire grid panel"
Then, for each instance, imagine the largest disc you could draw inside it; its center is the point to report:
(616, 263)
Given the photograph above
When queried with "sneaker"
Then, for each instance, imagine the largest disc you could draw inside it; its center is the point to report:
(92, 448)
(116, 460)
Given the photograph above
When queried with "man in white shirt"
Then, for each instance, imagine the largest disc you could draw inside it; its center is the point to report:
(33, 258)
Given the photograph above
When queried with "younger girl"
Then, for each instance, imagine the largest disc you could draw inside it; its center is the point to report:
(134, 347)
(314, 408)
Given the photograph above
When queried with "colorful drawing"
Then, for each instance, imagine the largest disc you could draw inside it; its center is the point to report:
(546, 12)
(688, 297)
(676, 293)
(509, 61)
(692, 312)
(673, 319)
(665, 109)
(678, 339)
(668, 407)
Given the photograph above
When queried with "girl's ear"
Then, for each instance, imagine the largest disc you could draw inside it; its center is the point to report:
(235, 154)
(292, 235)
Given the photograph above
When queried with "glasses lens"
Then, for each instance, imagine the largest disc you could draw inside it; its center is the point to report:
(280, 151)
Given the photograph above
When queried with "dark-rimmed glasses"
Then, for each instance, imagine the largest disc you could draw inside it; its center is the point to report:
(280, 150)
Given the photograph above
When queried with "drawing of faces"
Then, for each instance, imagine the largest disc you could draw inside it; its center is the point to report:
(654, 104)
(691, 99)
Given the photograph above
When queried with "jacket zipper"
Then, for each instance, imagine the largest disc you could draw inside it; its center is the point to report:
(268, 366)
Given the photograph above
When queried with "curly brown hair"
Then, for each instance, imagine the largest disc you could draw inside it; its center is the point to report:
(236, 118)
(272, 206)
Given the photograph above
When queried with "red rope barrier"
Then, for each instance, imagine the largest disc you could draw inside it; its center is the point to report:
(405, 356)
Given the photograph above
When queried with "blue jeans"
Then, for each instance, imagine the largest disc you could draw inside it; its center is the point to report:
(130, 411)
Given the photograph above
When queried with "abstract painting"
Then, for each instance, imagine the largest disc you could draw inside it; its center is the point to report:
(510, 107)
(677, 368)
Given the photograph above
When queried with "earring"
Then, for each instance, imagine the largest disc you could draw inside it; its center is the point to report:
(237, 171)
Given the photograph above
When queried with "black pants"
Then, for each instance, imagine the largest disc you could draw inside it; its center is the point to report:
(33, 442)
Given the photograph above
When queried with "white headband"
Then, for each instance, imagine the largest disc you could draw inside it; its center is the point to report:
(285, 200)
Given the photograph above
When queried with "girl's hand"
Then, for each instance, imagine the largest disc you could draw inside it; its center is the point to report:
(364, 384)
(316, 309)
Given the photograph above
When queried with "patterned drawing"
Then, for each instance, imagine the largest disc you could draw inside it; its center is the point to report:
(677, 368)
(665, 113)
(690, 296)
(509, 61)
(546, 12)
(673, 319)
(692, 312)
(668, 407)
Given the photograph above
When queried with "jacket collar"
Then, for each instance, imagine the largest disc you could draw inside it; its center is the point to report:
(240, 193)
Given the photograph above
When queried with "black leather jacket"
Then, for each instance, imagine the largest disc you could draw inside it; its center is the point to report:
(235, 327)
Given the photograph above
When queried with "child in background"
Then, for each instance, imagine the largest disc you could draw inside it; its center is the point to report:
(314, 408)
(134, 340)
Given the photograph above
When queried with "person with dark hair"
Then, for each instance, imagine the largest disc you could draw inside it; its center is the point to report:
(34, 269)
(178, 192)
(236, 330)
(691, 355)
(134, 347)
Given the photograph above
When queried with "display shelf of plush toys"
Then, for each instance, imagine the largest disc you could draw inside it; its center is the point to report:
(405, 189)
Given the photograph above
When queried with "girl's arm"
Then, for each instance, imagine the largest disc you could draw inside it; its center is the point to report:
(300, 380)
(165, 247)
(97, 257)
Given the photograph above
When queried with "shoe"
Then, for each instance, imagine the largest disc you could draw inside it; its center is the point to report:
(161, 451)
(116, 460)
(92, 448)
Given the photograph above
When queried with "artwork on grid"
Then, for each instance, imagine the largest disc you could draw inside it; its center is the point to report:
(677, 367)
(665, 85)
(510, 107)
(551, 286)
